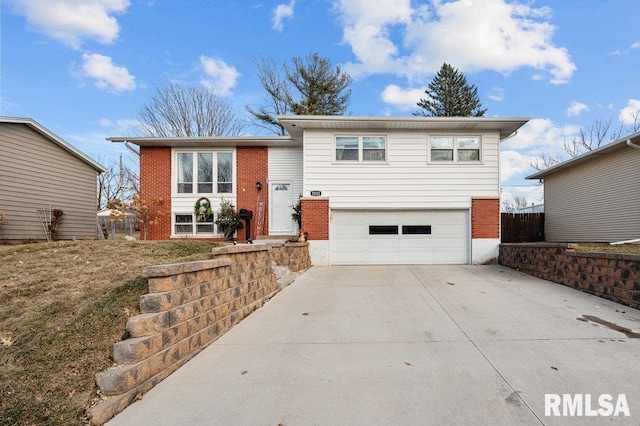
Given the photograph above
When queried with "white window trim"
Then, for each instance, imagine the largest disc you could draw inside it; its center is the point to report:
(360, 160)
(193, 224)
(455, 160)
(174, 173)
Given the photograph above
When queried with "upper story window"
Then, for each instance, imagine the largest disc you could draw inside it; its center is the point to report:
(204, 172)
(455, 149)
(361, 148)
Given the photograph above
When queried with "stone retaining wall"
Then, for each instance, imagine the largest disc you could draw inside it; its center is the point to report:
(611, 276)
(294, 256)
(189, 305)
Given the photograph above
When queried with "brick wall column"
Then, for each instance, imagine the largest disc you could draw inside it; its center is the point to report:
(155, 189)
(315, 218)
(252, 165)
(485, 218)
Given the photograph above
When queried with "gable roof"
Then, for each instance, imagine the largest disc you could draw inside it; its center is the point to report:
(296, 124)
(34, 125)
(590, 155)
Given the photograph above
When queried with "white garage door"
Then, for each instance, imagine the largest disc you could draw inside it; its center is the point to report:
(399, 237)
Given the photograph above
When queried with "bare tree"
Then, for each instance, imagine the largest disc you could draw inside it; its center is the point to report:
(120, 181)
(515, 205)
(176, 110)
(274, 81)
(598, 134)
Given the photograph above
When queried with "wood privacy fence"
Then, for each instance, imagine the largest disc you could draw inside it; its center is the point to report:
(522, 227)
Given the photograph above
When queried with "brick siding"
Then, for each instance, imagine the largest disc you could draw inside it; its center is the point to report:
(485, 218)
(315, 218)
(252, 165)
(155, 182)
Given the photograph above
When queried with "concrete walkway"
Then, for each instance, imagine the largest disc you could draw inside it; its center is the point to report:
(408, 345)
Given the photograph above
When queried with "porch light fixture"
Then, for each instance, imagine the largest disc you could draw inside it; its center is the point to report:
(258, 186)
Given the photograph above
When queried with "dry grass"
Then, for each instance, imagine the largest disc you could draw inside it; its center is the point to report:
(62, 307)
(608, 248)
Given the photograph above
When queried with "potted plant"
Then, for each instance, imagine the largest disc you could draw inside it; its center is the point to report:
(297, 214)
(227, 219)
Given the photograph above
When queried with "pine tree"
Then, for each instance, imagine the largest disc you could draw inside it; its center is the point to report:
(449, 95)
(309, 86)
(323, 90)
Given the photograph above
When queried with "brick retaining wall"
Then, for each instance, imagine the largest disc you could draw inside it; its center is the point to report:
(189, 305)
(612, 276)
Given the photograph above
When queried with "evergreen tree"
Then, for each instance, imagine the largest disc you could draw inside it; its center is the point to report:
(449, 95)
(322, 89)
(310, 86)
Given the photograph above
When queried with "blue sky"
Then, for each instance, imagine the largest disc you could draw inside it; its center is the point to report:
(83, 68)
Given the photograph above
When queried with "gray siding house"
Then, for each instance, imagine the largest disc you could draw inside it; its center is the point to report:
(594, 197)
(39, 170)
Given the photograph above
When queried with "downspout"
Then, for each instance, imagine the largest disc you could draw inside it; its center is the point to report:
(137, 152)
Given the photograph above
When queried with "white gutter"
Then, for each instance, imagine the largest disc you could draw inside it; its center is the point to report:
(632, 145)
(132, 149)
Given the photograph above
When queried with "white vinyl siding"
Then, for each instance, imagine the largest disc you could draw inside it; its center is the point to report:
(406, 181)
(360, 237)
(34, 173)
(596, 201)
(285, 166)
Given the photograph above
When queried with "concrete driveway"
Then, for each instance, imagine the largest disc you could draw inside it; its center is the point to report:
(405, 345)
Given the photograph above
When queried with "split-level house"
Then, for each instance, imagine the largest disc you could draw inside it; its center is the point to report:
(373, 190)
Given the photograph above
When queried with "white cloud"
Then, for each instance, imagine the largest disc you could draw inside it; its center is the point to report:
(497, 94)
(282, 12)
(471, 35)
(73, 21)
(576, 108)
(541, 136)
(630, 114)
(122, 125)
(221, 78)
(636, 45)
(107, 75)
(403, 99)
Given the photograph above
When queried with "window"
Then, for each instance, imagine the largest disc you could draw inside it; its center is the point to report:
(225, 172)
(185, 173)
(416, 229)
(346, 148)
(207, 166)
(185, 224)
(383, 230)
(361, 148)
(455, 149)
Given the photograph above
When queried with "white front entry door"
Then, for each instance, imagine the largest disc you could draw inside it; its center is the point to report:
(281, 207)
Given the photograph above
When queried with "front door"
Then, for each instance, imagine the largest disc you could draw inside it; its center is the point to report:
(281, 207)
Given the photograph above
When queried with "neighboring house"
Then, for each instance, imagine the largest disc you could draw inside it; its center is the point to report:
(39, 170)
(375, 190)
(594, 197)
